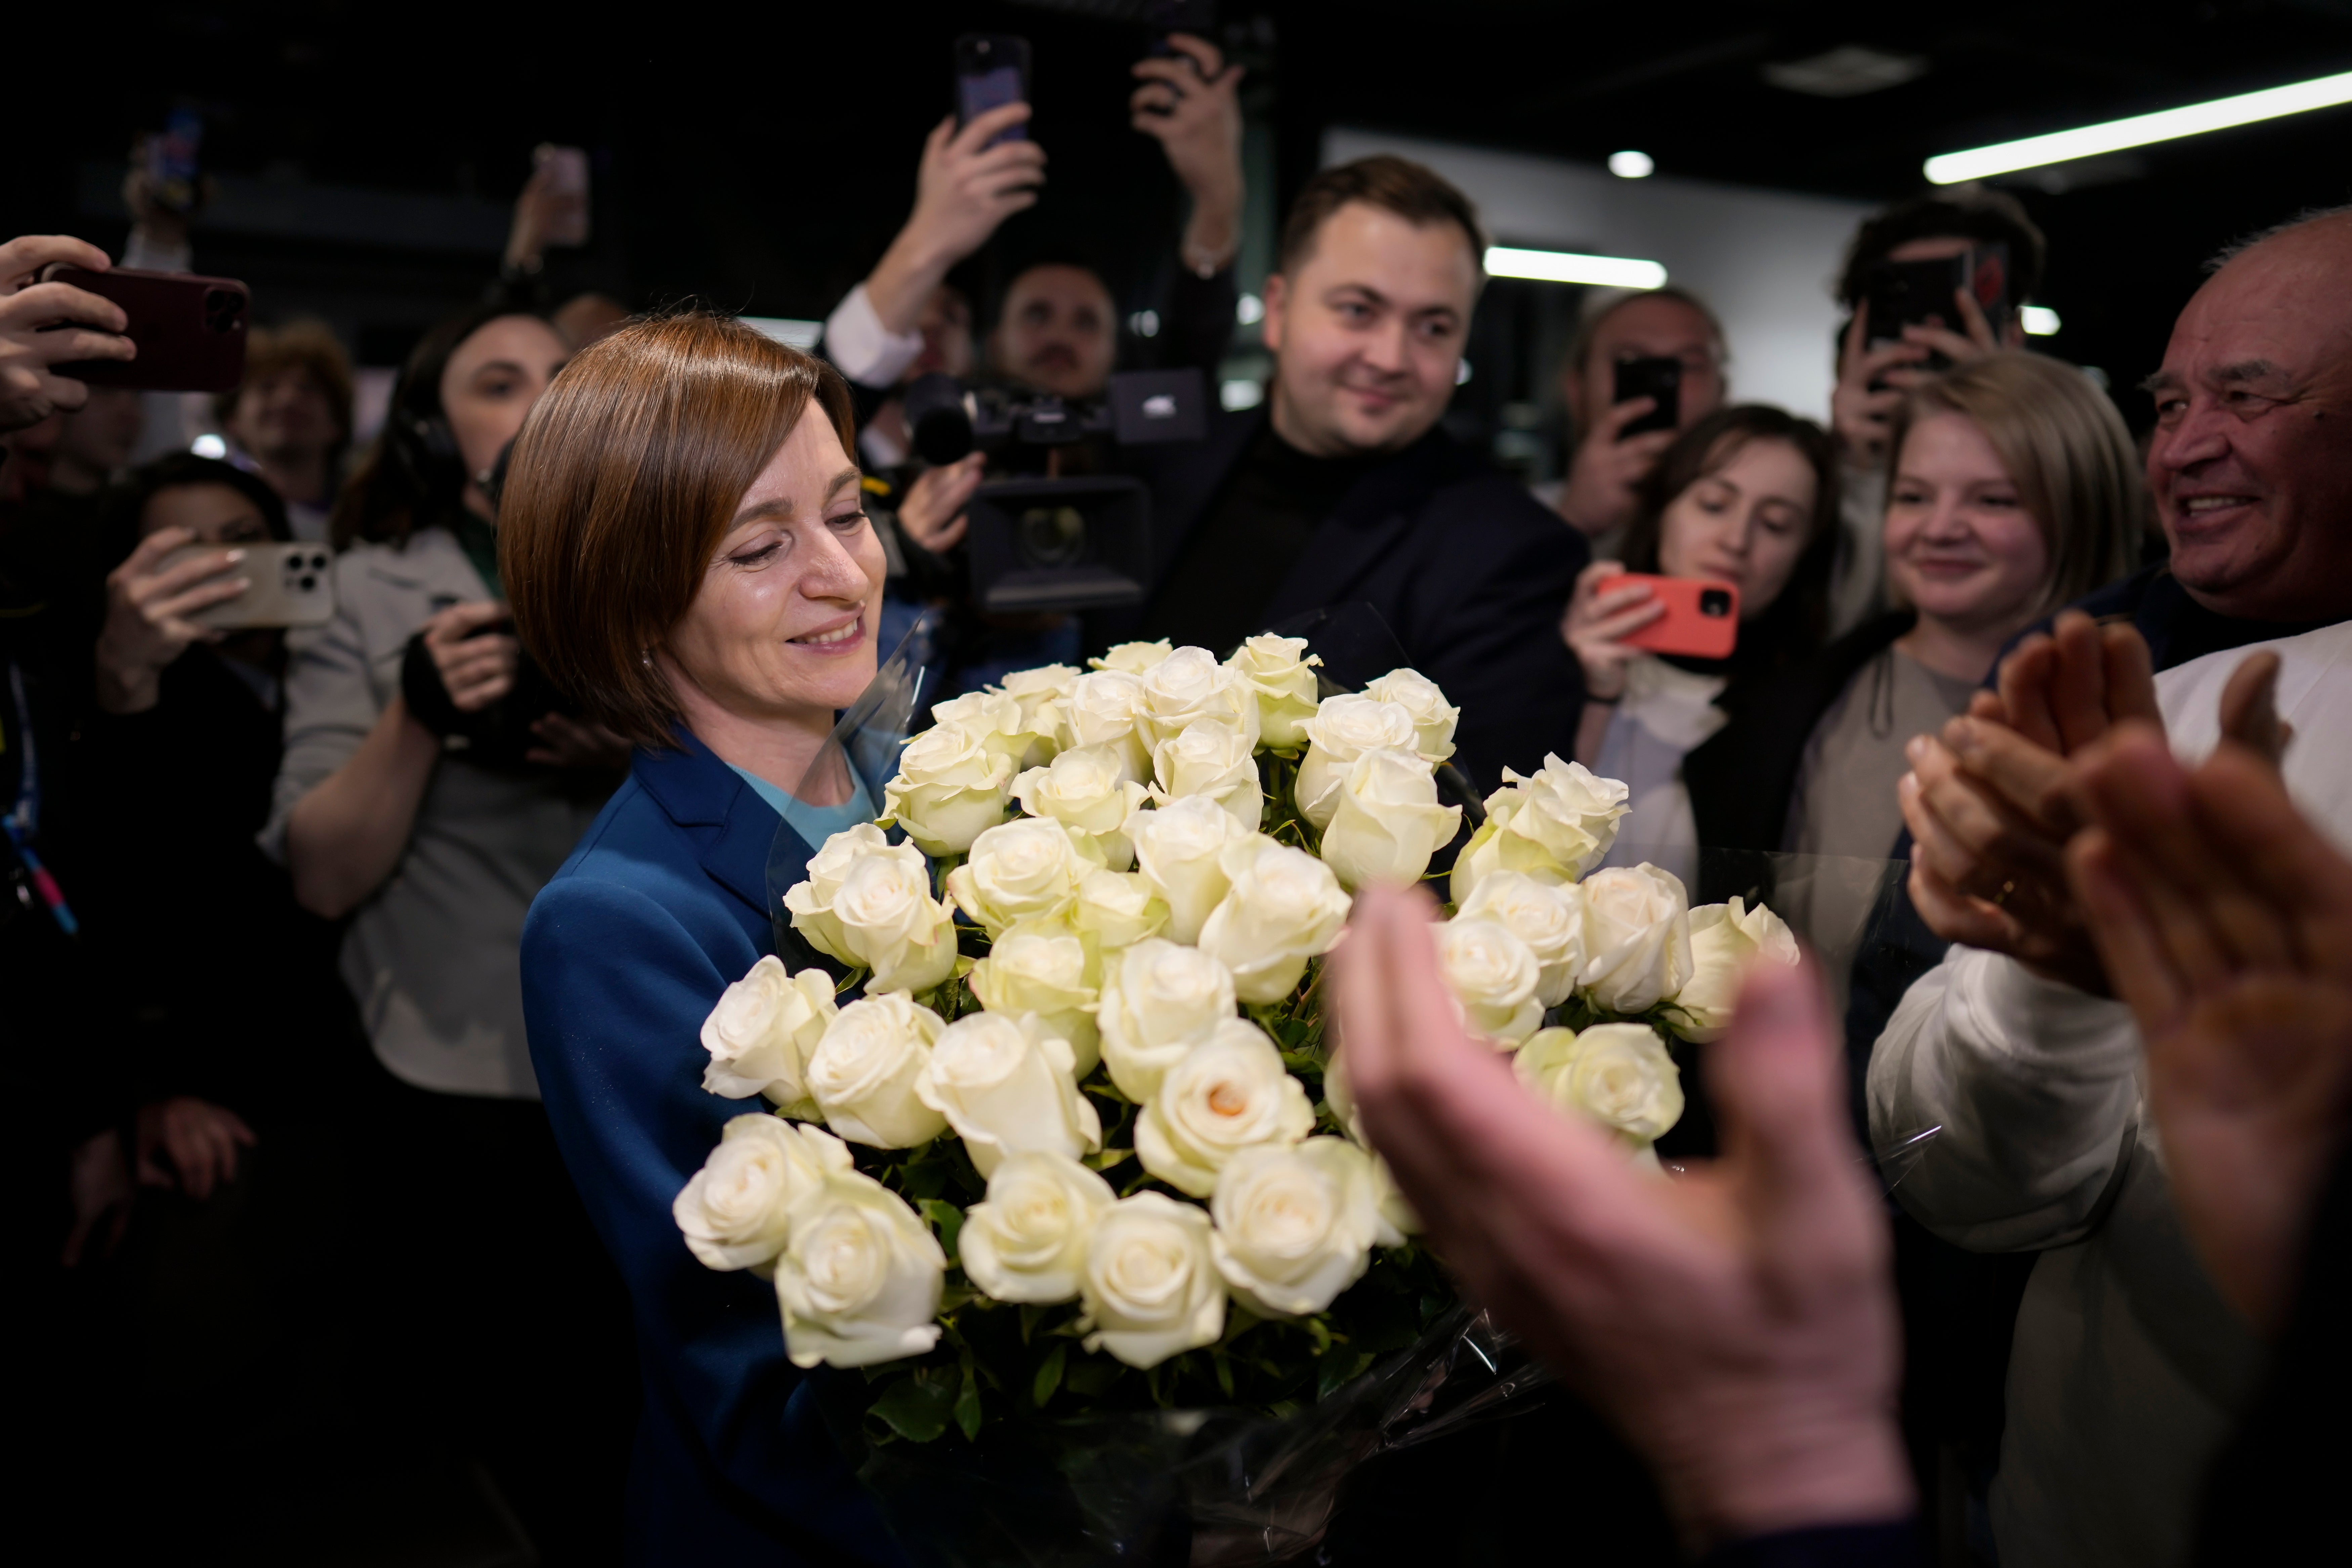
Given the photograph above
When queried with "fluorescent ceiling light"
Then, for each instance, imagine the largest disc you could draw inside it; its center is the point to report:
(1631, 166)
(1568, 267)
(2039, 321)
(1847, 72)
(801, 335)
(2191, 120)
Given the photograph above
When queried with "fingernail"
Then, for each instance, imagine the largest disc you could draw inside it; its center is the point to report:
(236, 555)
(1961, 735)
(1916, 748)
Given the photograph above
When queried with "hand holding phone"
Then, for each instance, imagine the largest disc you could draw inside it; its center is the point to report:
(1658, 377)
(991, 69)
(45, 325)
(188, 332)
(1696, 617)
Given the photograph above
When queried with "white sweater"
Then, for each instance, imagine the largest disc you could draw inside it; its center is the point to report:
(2127, 1368)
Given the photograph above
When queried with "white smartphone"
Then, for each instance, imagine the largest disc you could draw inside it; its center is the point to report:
(289, 585)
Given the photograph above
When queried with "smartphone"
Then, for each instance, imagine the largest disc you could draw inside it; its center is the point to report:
(286, 585)
(1914, 293)
(1197, 17)
(1702, 618)
(570, 179)
(991, 69)
(190, 329)
(1651, 375)
(172, 172)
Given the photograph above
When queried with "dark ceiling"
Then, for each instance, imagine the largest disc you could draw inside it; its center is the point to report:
(761, 158)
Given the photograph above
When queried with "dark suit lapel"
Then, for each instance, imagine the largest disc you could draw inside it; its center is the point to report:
(1185, 481)
(735, 828)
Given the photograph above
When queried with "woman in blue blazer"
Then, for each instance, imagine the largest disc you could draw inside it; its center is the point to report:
(686, 549)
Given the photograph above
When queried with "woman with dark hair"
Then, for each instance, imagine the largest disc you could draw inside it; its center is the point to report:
(429, 788)
(686, 543)
(1746, 495)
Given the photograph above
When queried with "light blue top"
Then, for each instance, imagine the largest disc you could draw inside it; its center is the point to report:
(815, 823)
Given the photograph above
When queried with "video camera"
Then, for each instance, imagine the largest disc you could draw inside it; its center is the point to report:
(1050, 543)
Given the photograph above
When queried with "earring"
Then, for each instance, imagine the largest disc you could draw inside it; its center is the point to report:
(483, 479)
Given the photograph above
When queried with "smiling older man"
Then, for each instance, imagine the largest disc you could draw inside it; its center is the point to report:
(2127, 1366)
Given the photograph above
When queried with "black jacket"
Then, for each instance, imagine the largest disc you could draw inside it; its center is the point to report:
(1469, 571)
(1743, 779)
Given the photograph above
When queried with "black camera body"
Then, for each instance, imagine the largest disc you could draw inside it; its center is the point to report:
(1053, 543)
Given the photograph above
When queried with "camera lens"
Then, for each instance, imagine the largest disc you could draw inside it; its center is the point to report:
(224, 310)
(1714, 601)
(309, 583)
(1052, 536)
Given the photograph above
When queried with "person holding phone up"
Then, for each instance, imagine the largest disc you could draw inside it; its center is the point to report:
(1645, 366)
(1746, 498)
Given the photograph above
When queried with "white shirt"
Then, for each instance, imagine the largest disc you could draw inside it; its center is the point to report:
(2127, 1369)
(862, 348)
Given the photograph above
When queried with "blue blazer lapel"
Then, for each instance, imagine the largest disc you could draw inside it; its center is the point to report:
(733, 827)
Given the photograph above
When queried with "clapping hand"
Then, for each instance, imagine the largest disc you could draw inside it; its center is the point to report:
(30, 391)
(2226, 921)
(1737, 1323)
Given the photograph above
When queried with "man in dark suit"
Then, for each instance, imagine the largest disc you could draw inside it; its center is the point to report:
(1342, 489)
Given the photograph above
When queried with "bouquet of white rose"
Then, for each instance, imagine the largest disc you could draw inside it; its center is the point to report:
(1079, 1145)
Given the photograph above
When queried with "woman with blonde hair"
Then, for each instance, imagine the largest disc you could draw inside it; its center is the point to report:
(2013, 489)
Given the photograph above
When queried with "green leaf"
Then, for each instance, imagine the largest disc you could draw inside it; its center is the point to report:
(1337, 1371)
(1031, 1314)
(966, 1404)
(1106, 1159)
(1092, 1376)
(1049, 1374)
(917, 1407)
(947, 1218)
(1224, 1372)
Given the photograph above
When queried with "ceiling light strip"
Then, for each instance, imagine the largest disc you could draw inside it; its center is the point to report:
(1568, 267)
(2165, 125)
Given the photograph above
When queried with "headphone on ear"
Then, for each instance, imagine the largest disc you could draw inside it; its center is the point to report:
(427, 447)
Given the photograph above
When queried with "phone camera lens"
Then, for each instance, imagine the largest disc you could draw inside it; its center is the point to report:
(1714, 601)
(309, 582)
(224, 310)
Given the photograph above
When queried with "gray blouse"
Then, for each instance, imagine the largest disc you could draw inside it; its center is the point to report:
(433, 956)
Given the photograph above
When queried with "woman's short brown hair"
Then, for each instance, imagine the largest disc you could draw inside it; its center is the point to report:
(625, 478)
(2064, 448)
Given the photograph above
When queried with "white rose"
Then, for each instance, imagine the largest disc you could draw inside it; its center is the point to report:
(1283, 908)
(1133, 658)
(1548, 917)
(1493, 975)
(761, 1032)
(1228, 1093)
(1044, 694)
(1008, 1086)
(1190, 686)
(863, 1072)
(1342, 730)
(736, 1211)
(1101, 711)
(1295, 1226)
(868, 902)
(1117, 909)
(1433, 717)
(1025, 869)
(1043, 969)
(1086, 789)
(1176, 849)
(1553, 826)
(997, 721)
(1212, 761)
(1159, 1000)
(1618, 1074)
(1637, 939)
(861, 1281)
(1397, 1218)
(951, 788)
(1725, 939)
(1026, 1242)
(1281, 673)
(1388, 822)
(1151, 1288)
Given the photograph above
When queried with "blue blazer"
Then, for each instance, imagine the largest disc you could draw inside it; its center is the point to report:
(661, 907)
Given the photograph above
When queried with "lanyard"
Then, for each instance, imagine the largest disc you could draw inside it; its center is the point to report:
(22, 823)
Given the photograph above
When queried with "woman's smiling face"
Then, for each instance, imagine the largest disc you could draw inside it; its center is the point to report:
(785, 619)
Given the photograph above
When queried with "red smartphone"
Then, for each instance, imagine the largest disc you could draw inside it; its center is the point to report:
(190, 329)
(1702, 618)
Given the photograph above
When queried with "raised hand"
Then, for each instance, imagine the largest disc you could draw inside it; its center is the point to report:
(1988, 802)
(1190, 104)
(29, 390)
(2226, 921)
(964, 190)
(1605, 475)
(147, 608)
(1871, 382)
(1737, 1323)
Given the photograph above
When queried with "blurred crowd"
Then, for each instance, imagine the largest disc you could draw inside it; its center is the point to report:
(294, 1211)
